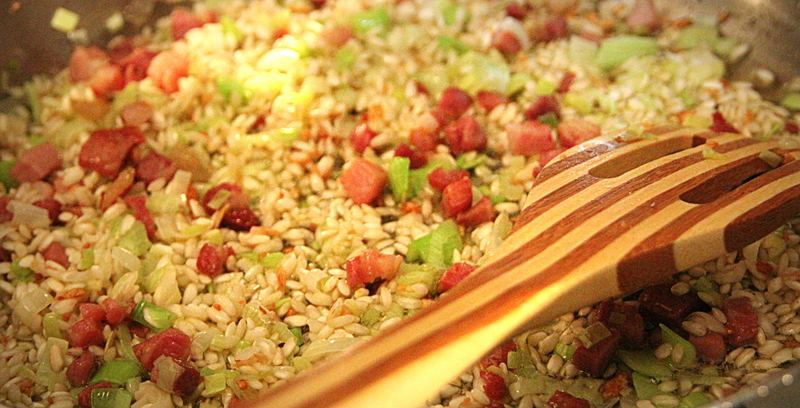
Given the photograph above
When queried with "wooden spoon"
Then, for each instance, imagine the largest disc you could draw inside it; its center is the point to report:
(606, 218)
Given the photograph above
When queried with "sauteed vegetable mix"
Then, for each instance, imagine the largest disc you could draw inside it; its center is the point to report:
(194, 214)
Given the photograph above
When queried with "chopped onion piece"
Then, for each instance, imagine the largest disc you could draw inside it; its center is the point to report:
(65, 20)
(323, 347)
(29, 215)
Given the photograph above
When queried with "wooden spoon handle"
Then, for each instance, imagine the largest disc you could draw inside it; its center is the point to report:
(605, 219)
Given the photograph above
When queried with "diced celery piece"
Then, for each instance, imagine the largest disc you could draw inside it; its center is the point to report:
(645, 387)
(689, 352)
(693, 36)
(34, 102)
(646, 363)
(231, 87)
(65, 20)
(152, 316)
(344, 59)
(135, 239)
(117, 372)
(111, 398)
(376, 18)
(399, 168)
(164, 203)
(448, 43)
(616, 50)
(545, 87)
(516, 83)
(418, 248)
(470, 160)
(5, 174)
(286, 135)
(87, 259)
(411, 274)
(301, 363)
(565, 351)
(475, 71)
(791, 101)
(370, 317)
(694, 400)
(214, 383)
(20, 274)
(229, 27)
(518, 360)
(582, 51)
(271, 260)
(298, 335)
(444, 240)
(50, 324)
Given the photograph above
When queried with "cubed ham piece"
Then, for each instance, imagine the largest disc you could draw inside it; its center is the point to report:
(546, 156)
(710, 347)
(362, 136)
(167, 68)
(183, 20)
(5, 214)
(416, 158)
(92, 311)
(85, 333)
(720, 124)
(517, 10)
(138, 203)
(465, 135)
(529, 137)
(480, 212)
(506, 42)
(363, 181)
(623, 317)
(566, 82)
(424, 140)
(454, 274)
(233, 196)
(52, 206)
(85, 395)
(499, 355)
(555, 28)
(55, 252)
(643, 18)
(154, 166)
(240, 219)
(106, 150)
(742, 321)
(453, 103)
(658, 304)
(212, 258)
(5, 255)
(136, 113)
(370, 266)
(80, 370)
(494, 386)
(542, 106)
(134, 65)
(106, 80)
(561, 399)
(489, 100)
(572, 132)
(36, 163)
(440, 178)
(115, 311)
(181, 378)
(337, 36)
(117, 188)
(85, 61)
(170, 342)
(594, 360)
(456, 198)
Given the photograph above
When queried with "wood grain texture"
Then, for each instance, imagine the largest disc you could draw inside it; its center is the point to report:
(612, 232)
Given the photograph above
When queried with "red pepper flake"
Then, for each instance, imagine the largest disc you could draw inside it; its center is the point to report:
(217, 306)
(242, 384)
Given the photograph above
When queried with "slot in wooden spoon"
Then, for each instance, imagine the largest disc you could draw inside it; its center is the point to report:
(605, 218)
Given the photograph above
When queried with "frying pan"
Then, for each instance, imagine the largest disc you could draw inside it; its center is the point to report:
(29, 46)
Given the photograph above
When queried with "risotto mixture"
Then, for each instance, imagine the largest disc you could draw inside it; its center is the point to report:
(194, 214)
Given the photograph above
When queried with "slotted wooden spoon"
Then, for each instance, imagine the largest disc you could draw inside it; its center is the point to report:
(606, 218)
